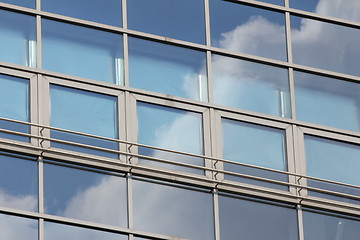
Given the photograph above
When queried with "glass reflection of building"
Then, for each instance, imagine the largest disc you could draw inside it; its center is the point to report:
(191, 119)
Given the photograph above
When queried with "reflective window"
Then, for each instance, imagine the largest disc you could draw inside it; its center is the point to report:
(54, 231)
(246, 29)
(278, 2)
(18, 182)
(327, 101)
(23, 3)
(82, 52)
(107, 12)
(333, 160)
(255, 145)
(182, 20)
(167, 69)
(346, 9)
(170, 128)
(17, 38)
(251, 86)
(85, 195)
(13, 227)
(254, 220)
(326, 226)
(86, 112)
(178, 211)
(14, 104)
(324, 45)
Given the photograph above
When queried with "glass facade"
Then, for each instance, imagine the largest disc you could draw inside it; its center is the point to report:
(193, 119)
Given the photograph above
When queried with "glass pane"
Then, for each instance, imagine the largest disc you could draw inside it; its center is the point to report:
(178, 211)
(251, 86)
(82, 52)
(182, 20)
(17, 38)
(246, 29)
(329, 227)
(54, 231)
(254, 220)
(13, 227)
(14, 104)
(327, 101)
(86, 112)
(167, 69)
(324, 45)
(255, 145)
(173, 129)
(346, 9)
(18, 182)
(23, 3)
(85, 195)
(278, 2)
(107, 12)
(333, 160)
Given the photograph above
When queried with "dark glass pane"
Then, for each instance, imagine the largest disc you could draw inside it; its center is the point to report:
(18, 182)
(173, 211)
(82, 52)
(23, 3)
(182, 20)
(327, 101)
(17, 38)
(246, 29)
(85, 195)
(54, 231)
(322, 226)
(107, 12)
(251, 86)
(167, 69)
(254, 220)
(173, 129)
(18, 228)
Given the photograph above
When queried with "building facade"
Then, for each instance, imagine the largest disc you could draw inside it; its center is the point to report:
(191, 119)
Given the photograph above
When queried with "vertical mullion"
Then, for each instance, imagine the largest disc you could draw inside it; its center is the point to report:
(300, 222)
(41, 196)
(207, 22)
(38, 5)
(125, 44)
(129, 201)
(38, 42)
(216, 214)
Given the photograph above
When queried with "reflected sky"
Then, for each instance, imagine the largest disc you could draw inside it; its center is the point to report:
(182, 20)
(173, 211)
(16, 228)
(85, 195)
(23, 3)
(251, 86)
(107, 12)
(18, 182)
(254, 220)
(329, 227)
(246, 29)
(167, 69)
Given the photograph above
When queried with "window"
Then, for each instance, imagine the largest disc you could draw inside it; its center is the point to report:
(23, 3)
(13, 227)
(82, 52)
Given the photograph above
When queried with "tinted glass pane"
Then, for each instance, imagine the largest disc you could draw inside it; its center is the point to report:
(107, 12)
(247, 29)
(327, 101)
(333, 160)
(253, 220)
(55, 231)
(18, 228)
(346, 9)
(17, 39)
(251, 86)
(324, 45)
(82, 52)
(178, 212)
(14, 104)
(86, 195)
(167, 69)
(86, 112)
(182, 20)
(255, 145)
(278, 2)
(329, 227)
(170, 128)
(18, 182)
(23, 3)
